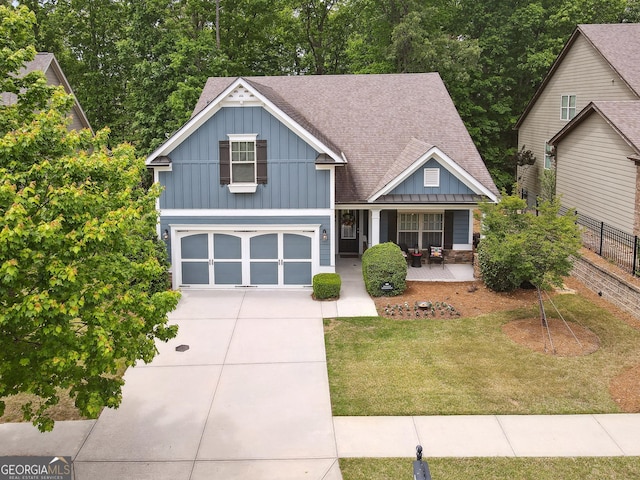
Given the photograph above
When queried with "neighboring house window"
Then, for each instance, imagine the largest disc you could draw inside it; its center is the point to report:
(243, 163)
(548, 156)
(431, 177)
(568, 109)
(421, 230)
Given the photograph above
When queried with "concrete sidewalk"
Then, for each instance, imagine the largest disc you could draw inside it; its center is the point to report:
(490, 436)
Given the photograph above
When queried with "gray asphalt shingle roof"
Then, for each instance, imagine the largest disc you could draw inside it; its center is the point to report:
(381, 123)
(41, 62)
(619, 44)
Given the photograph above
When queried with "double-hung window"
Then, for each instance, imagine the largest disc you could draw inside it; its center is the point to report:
(432, 229)
(568, 107)
(421, 230)
(243, 162)
(409, 229)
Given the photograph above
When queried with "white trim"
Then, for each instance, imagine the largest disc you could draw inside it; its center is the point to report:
(302, 227)
(462, 246)
(242, 187)
(207, 112)
(207, 212)
(410, 207)
(446, 162)
(242, 137)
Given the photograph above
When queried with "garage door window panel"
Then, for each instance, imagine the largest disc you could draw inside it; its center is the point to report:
(264, 259)
(195, 259)
(297, 273)
(227, 248)
(227, 273)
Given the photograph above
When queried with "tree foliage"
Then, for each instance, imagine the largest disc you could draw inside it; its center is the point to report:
(81, 291)
(138, 66)
(522, 246)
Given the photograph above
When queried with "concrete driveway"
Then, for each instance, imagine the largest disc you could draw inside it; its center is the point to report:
(248, 399)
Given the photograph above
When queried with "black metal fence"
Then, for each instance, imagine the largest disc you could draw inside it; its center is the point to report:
(621, 248)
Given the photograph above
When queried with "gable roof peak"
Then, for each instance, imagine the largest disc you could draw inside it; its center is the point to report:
(617, 43)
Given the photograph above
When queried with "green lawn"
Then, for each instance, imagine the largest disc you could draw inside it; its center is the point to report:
(380, 366)
(616, 468)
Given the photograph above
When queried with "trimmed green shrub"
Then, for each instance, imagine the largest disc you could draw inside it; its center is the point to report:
(384, 263)
(326, 285)
(497, 268)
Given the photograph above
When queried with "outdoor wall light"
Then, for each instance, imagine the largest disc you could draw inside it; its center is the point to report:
(325, 237)
(165, 234)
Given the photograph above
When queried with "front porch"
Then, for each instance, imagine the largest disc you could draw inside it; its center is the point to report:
(455, 272)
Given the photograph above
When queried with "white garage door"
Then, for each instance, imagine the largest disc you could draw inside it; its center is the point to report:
(246, 258)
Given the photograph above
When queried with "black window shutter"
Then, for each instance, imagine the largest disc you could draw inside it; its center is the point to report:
(448, 229)
(261, 160)
(225, 163)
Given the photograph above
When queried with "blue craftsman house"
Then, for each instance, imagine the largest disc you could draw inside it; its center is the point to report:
(273, 177)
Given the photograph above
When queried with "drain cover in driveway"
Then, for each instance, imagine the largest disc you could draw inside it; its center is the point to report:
(182, 348)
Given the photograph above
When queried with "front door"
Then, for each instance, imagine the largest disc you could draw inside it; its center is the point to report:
(348, 232)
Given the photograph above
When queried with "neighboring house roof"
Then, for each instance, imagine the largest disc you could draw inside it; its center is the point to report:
(617, 43)
(622, 116)
(48, 64)
(378, 125)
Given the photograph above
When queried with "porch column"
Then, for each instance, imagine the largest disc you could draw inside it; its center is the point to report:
(375, 226)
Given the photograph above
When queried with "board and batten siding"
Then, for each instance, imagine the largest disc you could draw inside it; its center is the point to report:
(582, 72)
(323, 221)
(415, 183)
(594, 175)
(292, 179)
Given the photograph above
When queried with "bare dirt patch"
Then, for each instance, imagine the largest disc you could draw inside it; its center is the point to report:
(562, 339)
(625, 390)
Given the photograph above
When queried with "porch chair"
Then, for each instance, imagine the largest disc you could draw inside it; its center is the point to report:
(405, 251)
(436, 255)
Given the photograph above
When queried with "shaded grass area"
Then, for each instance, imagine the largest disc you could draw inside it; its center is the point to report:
(64, 410)
(612, 468)
(379, 366)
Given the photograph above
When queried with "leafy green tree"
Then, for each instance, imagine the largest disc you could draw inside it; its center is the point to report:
(521, 246)
(79, 273)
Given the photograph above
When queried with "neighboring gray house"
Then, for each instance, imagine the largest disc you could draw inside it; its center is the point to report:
(47, 63)
(598, 167)
(581, 122)
(272, 177)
